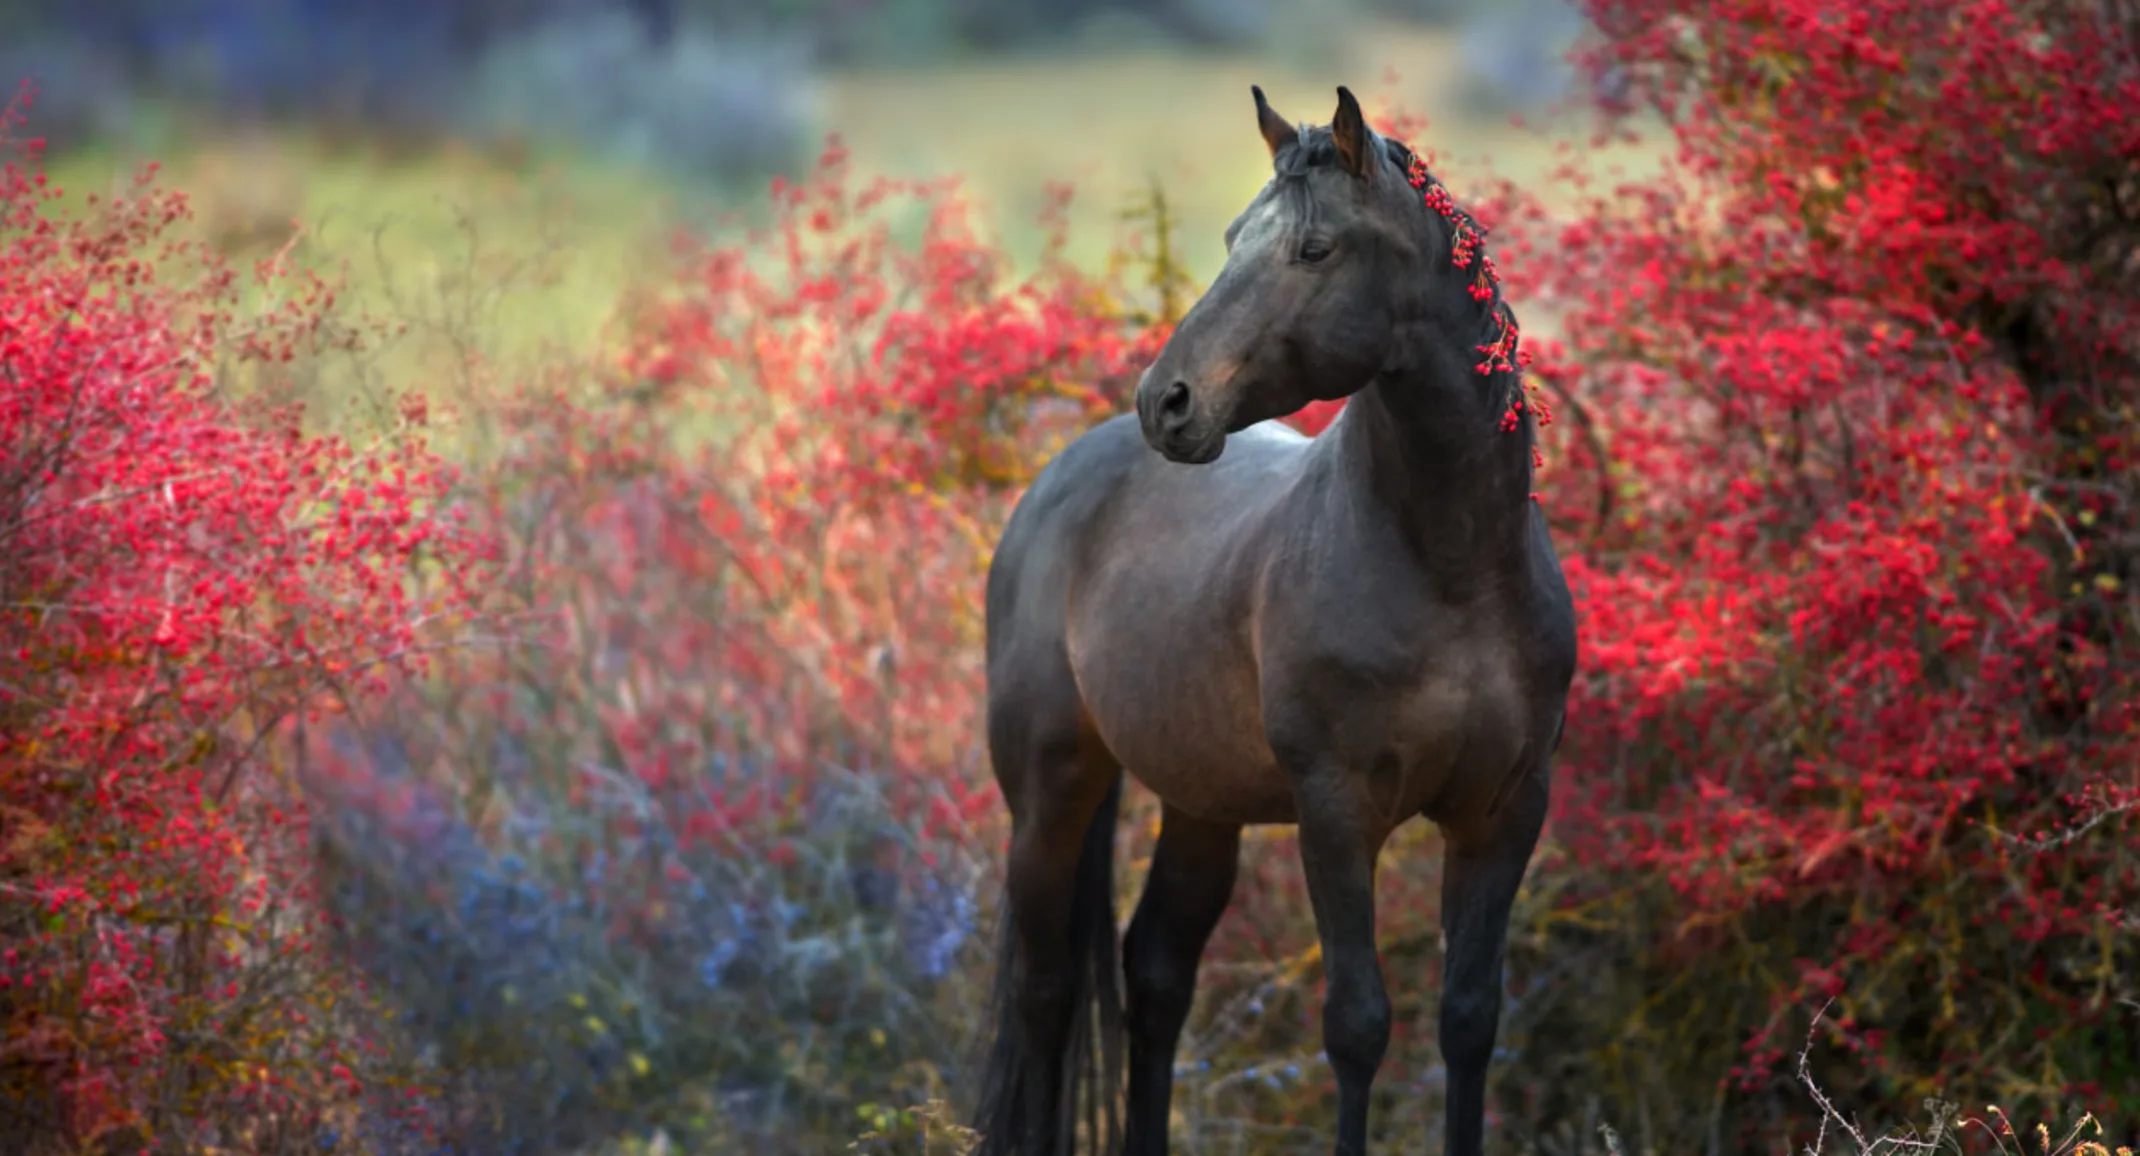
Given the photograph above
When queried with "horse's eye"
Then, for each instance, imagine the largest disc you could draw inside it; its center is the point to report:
(1314, 250)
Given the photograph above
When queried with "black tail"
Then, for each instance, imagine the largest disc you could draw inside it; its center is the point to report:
(1093, 1081)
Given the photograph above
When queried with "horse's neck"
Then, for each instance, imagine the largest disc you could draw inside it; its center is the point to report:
(1427, 444)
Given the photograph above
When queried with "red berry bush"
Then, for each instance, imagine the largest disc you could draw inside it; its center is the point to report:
(181, 577)
(704, 841)
(1857, 719)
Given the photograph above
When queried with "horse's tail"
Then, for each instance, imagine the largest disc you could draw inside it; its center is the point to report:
(1092, 1067)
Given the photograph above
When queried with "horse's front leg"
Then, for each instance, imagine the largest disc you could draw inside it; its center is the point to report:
(1190, 884)
(1482, 867)
(1340, 835)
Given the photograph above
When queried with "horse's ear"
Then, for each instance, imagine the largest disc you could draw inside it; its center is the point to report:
(1278, 132)
(1348, 129)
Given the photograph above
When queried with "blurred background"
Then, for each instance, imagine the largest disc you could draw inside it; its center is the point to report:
(426, 143)
(260, 105)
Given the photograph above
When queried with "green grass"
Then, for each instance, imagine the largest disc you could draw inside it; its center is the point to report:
(565, 240)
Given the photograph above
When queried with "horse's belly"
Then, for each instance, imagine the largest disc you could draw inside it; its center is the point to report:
(1186, 720)
(1234, 782)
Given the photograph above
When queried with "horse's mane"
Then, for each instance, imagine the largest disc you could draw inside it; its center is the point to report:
(1315, 148)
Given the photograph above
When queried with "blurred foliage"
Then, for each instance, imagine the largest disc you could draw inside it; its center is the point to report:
(584, 967)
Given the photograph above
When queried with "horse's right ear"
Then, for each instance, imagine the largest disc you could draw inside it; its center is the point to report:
(1349, 131)
(1278, 132)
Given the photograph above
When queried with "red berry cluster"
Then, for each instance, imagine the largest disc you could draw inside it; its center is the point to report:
(1504, 354)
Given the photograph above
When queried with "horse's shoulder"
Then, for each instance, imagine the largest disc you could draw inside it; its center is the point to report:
(1104, 451)
(1083, 472)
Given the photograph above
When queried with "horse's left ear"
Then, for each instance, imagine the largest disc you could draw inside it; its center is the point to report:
(1278, 132)
(1349, 130)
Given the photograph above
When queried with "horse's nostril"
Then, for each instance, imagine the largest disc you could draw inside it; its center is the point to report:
(1174, 403)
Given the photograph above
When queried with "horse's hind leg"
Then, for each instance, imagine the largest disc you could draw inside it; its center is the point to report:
(1190, 884)
(1058, 963)
(1481, 871)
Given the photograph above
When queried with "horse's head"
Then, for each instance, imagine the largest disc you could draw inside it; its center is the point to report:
(1307, 304)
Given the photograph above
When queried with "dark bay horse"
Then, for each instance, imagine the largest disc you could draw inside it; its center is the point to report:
(1339, 633)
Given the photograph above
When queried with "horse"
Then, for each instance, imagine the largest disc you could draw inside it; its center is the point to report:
(1339, 632)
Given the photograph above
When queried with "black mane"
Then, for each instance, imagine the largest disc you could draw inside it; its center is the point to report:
(1315, 147)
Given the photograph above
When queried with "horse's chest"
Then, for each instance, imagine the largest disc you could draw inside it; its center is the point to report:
(1438, 716)
(1457, 733)
(1437, 731)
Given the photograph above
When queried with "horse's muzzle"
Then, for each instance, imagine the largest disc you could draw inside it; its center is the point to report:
(1194, 453)
(1169, 421)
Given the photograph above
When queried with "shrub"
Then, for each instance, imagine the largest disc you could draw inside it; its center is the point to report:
(595, 962)
(181, 574)
(718, 790)
(1856, 718)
